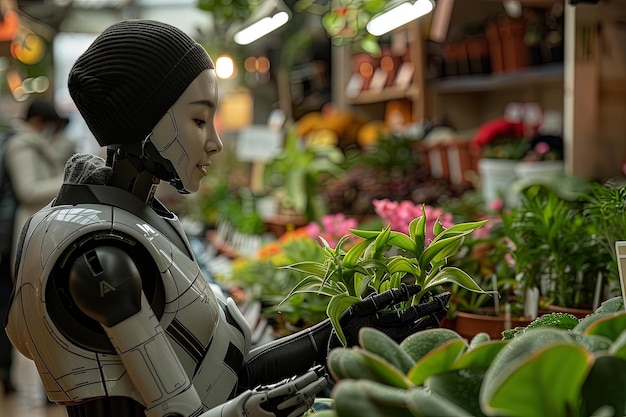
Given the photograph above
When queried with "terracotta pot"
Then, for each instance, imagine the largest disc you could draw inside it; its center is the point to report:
(514, 50)
(470, 324)
(495, 48)
(478, 55)
(365, 65)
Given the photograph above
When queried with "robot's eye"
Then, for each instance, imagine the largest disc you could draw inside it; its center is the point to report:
(200, 123)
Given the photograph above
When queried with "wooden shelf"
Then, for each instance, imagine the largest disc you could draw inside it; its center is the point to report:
(491, 82)
(387, 94)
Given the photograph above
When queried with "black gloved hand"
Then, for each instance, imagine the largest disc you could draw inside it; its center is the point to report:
(374, 311)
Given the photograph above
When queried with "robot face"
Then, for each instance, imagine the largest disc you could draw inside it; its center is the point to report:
(186, 134)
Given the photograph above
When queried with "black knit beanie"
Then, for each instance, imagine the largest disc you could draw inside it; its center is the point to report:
(131, 75)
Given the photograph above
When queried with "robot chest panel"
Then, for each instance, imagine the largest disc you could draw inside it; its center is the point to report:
(191, 311)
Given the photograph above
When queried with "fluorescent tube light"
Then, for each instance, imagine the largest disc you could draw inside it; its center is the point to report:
(398, 16)
(261, 28)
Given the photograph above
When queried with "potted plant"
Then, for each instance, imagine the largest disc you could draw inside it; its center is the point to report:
(555, 249)
(485, 255)
(606, 213)
(385, 259)
(557, 366)
(296, 177)
(496, 168)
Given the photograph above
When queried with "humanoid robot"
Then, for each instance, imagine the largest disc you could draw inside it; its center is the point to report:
(109, 301)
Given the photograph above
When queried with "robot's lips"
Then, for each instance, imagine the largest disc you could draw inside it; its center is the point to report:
(202, 169)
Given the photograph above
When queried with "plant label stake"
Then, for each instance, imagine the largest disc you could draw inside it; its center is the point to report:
(620, 251)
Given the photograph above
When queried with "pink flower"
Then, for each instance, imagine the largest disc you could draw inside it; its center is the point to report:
(497, 205)
(542, 148)
(313, 230)
(398, 215)
(333, 228)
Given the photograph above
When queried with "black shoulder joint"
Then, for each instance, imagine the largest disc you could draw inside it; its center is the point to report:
(105, 283)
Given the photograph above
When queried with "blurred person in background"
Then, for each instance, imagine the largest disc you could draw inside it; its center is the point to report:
(34, 161)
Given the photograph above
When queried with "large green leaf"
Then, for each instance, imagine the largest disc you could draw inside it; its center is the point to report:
(480, 356)
(423, 402)
(378, 343)
(592, 342)
(354, 253)
(344, 363)
(367, 398)
(365, 234)
(337, 305)
(461, 229)
(478, 339)
(402, 241)
(419, 344)
(437, 361)
(417, 232)
(308, 267)
(618, 347)
(440, 250)
(461, 386)
(610, 326)
(385, 371)
(452, 274)
(606, 385)
(394, 238)
(312, 284)
(517, 350)
(380, 243)
(546, 384)
(402, 264)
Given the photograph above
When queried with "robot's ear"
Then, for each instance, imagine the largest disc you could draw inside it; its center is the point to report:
(164, 132)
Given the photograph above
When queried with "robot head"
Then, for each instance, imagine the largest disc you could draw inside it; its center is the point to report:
(186, 136)
(130, 87)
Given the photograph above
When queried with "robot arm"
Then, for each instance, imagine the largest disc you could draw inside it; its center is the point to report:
(296, 353)
(106, 284)
(289, 398)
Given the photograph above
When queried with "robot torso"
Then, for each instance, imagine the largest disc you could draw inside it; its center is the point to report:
(73, 355)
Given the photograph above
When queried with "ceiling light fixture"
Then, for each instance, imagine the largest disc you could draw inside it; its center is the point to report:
(398, 16)
(271, 16)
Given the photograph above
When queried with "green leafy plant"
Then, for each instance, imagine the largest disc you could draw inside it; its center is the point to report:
(486, 257)
(345, 21)
(385, 259)
(266, 281)
(554, 247)
(606, 213)
(557, 366)
(300, 171)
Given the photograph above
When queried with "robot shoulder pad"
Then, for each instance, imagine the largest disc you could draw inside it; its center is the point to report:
(106, 284)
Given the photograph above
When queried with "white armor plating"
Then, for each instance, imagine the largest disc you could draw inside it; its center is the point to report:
(163, 359)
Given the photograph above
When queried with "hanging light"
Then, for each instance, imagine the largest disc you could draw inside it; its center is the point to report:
(225, 67)
(398, 15)
(269, 17)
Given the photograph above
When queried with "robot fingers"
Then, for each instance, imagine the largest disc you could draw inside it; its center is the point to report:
(314, 379)
(377, 302)
(305, 396)
(437, 306)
